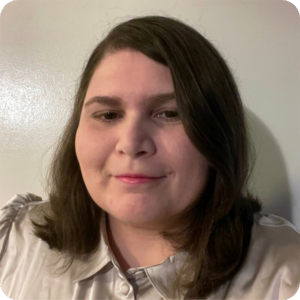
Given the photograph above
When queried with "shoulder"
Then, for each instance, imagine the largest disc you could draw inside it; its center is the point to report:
(14, 214)
(16, 207)
(278, 236)
(277, 242)
(271, 267)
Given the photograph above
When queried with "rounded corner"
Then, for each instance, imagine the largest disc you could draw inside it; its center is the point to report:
(292, 4)
(4, 8)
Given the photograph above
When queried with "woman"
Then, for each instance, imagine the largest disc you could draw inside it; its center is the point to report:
(148, 193)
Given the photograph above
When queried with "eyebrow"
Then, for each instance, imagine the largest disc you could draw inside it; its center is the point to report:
(157, 99)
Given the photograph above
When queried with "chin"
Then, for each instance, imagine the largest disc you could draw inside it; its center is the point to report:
(145, 219)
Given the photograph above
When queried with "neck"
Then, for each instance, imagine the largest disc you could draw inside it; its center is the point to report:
(136, 247)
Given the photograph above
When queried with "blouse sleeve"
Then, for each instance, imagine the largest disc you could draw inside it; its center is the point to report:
(9, 214)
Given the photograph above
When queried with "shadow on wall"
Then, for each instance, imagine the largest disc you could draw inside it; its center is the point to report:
(270, 177)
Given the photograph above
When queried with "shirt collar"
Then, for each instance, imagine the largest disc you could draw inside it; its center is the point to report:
(160, 275)
(89, 264)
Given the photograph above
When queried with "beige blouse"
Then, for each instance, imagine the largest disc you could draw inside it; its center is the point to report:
(27, 265)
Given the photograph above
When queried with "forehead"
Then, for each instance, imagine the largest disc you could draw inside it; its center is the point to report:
(130, 73)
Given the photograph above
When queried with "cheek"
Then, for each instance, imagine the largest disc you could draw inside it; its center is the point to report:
(90, 148)
(192, 170)
(82, 146)
(92, 154)
(186, 155)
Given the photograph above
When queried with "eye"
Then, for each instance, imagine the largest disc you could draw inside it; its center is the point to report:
(108, 116)
(111, 116)
(168, 115)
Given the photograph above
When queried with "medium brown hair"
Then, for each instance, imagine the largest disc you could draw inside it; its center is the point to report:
(216, 230)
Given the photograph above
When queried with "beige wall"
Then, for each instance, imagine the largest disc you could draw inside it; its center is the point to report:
(44, 45)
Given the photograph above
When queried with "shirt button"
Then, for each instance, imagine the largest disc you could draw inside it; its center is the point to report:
(124, 289)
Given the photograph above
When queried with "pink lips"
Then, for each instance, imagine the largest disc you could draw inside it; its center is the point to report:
(136, 178)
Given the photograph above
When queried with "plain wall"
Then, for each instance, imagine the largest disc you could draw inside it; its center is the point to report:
(45, 44)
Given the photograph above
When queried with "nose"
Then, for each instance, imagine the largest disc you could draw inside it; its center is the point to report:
(135, 139)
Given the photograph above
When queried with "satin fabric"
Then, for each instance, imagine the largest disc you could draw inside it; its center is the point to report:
(28, 268)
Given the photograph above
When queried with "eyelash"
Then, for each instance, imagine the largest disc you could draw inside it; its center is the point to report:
(101, 119)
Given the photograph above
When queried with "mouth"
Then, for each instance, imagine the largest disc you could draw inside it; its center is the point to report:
(129, 175)
(137, 178)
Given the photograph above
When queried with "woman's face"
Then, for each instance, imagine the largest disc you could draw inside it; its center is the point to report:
(136, 160)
